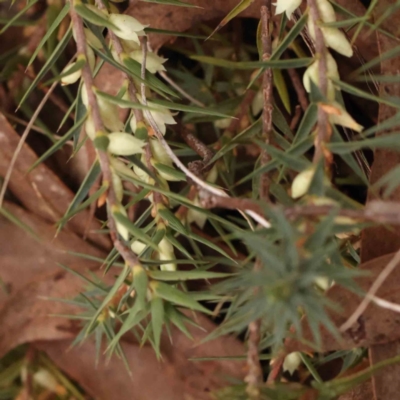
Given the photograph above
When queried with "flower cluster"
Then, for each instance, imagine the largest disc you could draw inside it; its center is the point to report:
(133, 137)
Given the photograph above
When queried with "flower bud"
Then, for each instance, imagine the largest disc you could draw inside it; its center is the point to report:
(137, 247)
(301, 183)
(84, 95)
(323, 282)
(124, 144)
(129, 28)
(89, 127)
(292, 362)
(166, 252)
(71, 78)
(312, 74)
(46, 380)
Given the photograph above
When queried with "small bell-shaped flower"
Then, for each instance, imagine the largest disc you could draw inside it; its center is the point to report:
(124, 144)
(301, 183)
(287, 6)
(72, 77)
(312, 74)
(166, 253)
(334, 37)
(291, 362)
(109, 115)
(129, 28)
(161, 115)
(154, 63)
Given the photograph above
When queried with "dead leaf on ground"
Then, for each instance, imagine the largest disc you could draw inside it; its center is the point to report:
(40, 191)
(379, 241)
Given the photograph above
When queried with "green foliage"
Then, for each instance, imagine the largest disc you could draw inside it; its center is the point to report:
(244, 272)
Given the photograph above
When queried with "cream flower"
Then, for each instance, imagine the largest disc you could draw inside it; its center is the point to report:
(334, 38)
(287, 6)
(154, 63)
(129, 28)
(124, 144)
(161, 115)
(312, 74)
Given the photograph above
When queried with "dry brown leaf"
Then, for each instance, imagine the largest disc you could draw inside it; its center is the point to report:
(24, 258)
(26, 316)
(151, 379)
(40, 191)
(378, 241)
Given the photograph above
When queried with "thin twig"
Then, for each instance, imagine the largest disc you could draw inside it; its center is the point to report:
(394, 262)
(385, 304)
(267, 96)
(323, 132)
(132, 92)
(299, 88)
(181, 90)
(22, 141)
(129, 257)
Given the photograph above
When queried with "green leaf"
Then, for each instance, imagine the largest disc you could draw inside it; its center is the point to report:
(307, 123)
(140, 282)
(177, 318)
(157, 321)
(57, 145)
(48, 64)
(285, 158)
(290, 37)
(136, 232)
(280, 84)
(150, 80)
(121, 102)
(191, 109)
(94, 17)
(110, 295)
(20, 224)
(172, 221)
(82, 192)
(233, 13)
(169, 293)
(391, 181)
(178, 175)
(49, 32)
(135, 315)
(360, 93)
(390, 141)
(279, 64)
(186, 275)
(174, 33)
(16, 16)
